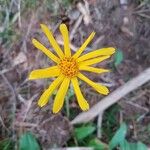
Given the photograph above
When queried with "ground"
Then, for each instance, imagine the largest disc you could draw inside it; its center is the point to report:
(123, 26)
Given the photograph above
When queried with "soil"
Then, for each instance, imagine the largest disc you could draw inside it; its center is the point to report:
(122, 26)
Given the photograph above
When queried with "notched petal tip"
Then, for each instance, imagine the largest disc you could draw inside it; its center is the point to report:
(105, 91)
(44, 99)
(57, 108)
(111, 49)
(55, 111)
(62, 26)
(34, 41)
(40, 104)
(42, 25)
(93, 34)
(107, 70)
(84, 106)
(30, 77)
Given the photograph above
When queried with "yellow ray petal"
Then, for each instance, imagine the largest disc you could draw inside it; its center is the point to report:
(96, 53)
(98, 87)
(93, 69)
(47, 52)
(81, 100)
(45, 96)
(44, 73)
(65, 34)
(93, 61)
(59, 99)
(84, 45)
(52, 40)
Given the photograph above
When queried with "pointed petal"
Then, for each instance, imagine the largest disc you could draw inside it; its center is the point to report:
(93, 69)
(65, 34)
(59, 99)
(45, 96)
(98, 87)
(52, 40)
(84, 45)
(44, 73)
(93, 61)
(47, 52)
(96, 53)
(81, 100)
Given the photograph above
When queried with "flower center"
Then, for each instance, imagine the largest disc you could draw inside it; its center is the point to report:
(68, 67)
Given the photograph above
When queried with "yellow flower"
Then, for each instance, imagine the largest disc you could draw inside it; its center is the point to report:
(68, 68)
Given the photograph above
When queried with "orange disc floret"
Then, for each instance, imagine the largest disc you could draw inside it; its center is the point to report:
(69, 67)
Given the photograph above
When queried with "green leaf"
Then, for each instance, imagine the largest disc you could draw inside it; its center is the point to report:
(118, 58)
(125, 145)
(97, 144)
(6, 144)
(141, 146)
(110, 121)
(119, 136)
(133, 146)
(70, 93)
(83, 132)
(28, 142)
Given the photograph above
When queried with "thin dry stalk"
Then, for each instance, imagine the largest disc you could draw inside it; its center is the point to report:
(99, 124)
(75, 27)
(113, 97)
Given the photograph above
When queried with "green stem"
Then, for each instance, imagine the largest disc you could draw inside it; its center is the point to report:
(67, 107)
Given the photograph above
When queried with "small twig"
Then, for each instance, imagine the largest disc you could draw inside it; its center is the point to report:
(76, 25)
(85, 11)
(120, 117)
(28, 105)
(99, 39)
(74, 48)
(2, 72)
(19, 11)
(134, 129)
(141, 11)
(71, 46)
(21, 99)
(144, 15)
(124, 4)
(138, 96)
(136, 105)
(25, 124)
(127, 31)
(142, 117)
(27, 33)
(10, 86)
(13, 101)
(113, 97)
(99, 124)
(140, 6)
(3, 124)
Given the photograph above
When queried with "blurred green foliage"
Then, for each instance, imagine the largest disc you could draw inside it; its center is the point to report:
(83, 132)
(110, 121)
(118, 58)
(119, 136)
(6, 144)
(85, 137)
(119, 140)
(28, 141)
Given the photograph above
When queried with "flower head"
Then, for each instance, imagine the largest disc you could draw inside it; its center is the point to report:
(68, 68)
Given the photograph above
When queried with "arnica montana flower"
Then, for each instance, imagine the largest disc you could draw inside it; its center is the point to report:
(68, 68)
